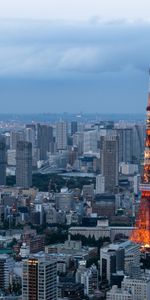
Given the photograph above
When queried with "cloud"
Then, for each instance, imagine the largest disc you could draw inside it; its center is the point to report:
(34, 49)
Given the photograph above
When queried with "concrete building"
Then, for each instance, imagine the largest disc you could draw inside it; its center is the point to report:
(74, 127)
(64, 200)
(61, 135)
(101, 230)
(39, 279)
(88, 191)
(78, 141)
(123, 256)
(104, 205)
(100, 184)
(128, 169)
(90, 141)
(140, 287)
(137, 180)
(6, 268)
(111, 261)
(125, 144)
(89, 278)
(109, 161)
(138, 142)
(16, 136)
(11, 157)
(44, 138)
(3, 160)
(24, 164)
(119, 294)
(74, 249)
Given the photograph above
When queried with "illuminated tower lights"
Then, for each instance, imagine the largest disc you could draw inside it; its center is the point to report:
(141, 233)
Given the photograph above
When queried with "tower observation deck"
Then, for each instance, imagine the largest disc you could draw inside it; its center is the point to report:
(141, 233)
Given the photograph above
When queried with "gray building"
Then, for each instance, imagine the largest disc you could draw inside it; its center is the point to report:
(125, 144)
(74, 127)
(24, 164)
(64, 200)
(3, 160)
(16, 136)
(44, 139)
(109, 161)
(61, 135)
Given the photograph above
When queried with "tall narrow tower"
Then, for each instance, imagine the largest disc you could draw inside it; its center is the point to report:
(141, 233)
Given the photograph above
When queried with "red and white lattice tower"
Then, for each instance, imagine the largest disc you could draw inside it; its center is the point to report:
(141, 233)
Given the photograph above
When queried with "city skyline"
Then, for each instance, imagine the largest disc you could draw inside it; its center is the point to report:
(64, 58)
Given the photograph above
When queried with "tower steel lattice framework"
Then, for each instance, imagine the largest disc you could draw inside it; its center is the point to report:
(141, 233)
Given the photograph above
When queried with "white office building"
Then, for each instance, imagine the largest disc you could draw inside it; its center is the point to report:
(90, 141)
(140, 288)
(100, 184)
(119, 294)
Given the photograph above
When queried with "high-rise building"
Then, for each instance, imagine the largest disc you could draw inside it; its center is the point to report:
(78, 139)
(16, 136)
(138, 142)
(125, 140)
(61, 135)
(44, 138)
(24, 164)
(109, 161)
(39, 279)
(90, 141)
(74, 127)
(3, 160)
(123, 256)
(112, 261)
(30, 136)
(11, 157)
(6, 267)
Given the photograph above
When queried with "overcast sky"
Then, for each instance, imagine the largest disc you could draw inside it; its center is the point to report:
(74, 55)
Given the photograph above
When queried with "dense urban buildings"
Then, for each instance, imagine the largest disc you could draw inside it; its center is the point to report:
(66, 220)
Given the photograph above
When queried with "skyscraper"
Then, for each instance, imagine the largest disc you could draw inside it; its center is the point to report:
(3, 160)
(109, 161)
(90, 141)
(16, 136)
(61, 135)
(44, 138)
(74, 127)
(125, 144)
(24, 164)
(39, 279)
(6, 267)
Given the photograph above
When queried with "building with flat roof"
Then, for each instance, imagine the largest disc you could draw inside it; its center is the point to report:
(24, 164)
(39, 279)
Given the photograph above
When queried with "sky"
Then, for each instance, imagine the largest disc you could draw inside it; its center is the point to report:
(74, 56)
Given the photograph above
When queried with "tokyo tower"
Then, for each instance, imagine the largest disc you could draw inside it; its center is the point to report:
(141, 233)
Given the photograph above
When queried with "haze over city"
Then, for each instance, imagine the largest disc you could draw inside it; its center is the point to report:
(73, 56)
